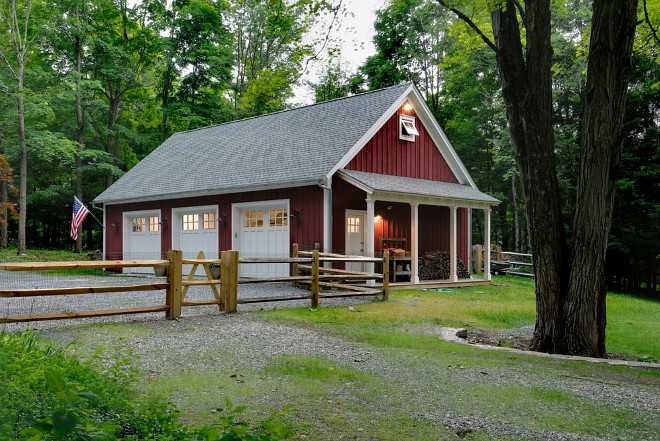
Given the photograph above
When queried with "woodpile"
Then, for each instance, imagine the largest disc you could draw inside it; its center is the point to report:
(435, 266)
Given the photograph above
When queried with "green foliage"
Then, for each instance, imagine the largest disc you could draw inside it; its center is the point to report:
(47, 393)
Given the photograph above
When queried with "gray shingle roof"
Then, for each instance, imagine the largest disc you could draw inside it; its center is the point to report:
(293, 147)
(418, 187)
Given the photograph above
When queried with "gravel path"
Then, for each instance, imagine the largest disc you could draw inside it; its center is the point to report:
(247, 342)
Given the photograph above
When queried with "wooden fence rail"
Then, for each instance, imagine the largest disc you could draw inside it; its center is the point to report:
(497, 255)
(226, 299)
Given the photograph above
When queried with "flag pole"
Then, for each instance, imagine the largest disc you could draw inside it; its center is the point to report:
(95, 218)
(90, 212)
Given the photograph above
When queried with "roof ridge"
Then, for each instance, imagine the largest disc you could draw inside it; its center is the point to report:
(292, 109)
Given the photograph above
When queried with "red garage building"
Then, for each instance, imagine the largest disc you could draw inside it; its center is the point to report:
(353, 174)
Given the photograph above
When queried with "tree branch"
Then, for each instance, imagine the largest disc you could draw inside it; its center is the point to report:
(335, 11)
(470, 23)
(648, 21)
(521, 11)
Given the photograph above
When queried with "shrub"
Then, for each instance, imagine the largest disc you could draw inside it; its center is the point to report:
(46, 392)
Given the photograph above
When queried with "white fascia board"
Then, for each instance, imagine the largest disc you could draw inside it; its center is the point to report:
(439, 138)
(431, 200)
(371, 132)
(212, 192)
(355, 183)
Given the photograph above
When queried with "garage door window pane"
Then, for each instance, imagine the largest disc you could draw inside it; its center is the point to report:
(253, 219)
(138, 224)
(209, 221)
(154, 223)
(278, 217)
(190, 222)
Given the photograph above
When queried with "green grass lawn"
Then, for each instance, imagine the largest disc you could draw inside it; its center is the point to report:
(40, 255)
(406, 379)
(633, 324)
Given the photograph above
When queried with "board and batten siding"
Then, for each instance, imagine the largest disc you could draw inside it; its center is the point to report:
(305, 230)
(386, 154)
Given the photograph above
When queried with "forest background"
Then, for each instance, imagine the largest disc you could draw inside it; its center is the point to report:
(106, 81)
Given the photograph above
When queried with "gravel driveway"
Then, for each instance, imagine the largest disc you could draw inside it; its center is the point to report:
(248, 342)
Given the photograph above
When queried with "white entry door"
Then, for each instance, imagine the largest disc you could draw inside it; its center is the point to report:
(196, 230)
(262, 230)
(142, 238)
(356, 223)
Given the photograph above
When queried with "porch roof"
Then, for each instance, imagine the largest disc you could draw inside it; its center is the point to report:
(376, 183)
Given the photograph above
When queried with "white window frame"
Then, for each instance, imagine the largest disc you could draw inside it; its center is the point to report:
(407, 134)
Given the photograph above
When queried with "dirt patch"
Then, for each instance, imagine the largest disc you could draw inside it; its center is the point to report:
(521, 342)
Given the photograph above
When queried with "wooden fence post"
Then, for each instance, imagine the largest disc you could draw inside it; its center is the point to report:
(294, 266)
(315, 279)
(174, 275)
(229, 278)
(480, 259)
(386, 275)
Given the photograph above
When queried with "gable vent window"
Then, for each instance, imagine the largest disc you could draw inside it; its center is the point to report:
(407, 130)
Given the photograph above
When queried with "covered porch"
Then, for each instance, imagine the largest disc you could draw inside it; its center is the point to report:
(419, 221)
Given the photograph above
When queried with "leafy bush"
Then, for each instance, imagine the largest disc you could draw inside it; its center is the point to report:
(48, 393)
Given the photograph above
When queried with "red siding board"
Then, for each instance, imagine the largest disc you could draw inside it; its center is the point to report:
(305, 230)
(385, 153)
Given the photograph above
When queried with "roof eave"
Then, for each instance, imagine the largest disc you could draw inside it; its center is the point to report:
(396, 196)
(211, 192)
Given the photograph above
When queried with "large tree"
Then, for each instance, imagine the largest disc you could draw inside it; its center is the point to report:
(570, 280)
(19, 31)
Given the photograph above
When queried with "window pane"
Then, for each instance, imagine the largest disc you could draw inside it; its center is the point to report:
(209, 221)
(138, 224)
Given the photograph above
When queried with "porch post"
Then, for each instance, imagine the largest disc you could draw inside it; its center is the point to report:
(369, 237)
(453, 277)
(327, 218)
(469, 241)
(414, 246)
(486, 243)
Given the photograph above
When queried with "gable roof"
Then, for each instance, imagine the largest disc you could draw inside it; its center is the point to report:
(302, 146)
(373, 182)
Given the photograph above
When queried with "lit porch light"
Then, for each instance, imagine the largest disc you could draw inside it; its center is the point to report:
(407, 107)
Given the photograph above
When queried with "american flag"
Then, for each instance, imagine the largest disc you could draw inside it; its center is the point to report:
(80, 212)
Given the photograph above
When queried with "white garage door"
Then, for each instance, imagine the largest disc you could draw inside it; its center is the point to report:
(263, 231)
(142, 238)
(197, 230)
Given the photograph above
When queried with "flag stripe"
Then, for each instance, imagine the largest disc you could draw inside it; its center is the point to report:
(80, 212)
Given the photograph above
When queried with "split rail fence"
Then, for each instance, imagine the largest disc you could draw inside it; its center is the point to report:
(305, 269)
(516, 260)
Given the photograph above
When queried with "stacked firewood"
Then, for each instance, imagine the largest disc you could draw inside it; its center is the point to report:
(435, 266)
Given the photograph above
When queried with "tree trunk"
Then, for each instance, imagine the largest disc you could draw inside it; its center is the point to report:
(22, 197)
(111, 148)
(608, 71)
(527, 93)
(516, 220)
(81, 132)
(4, 200)
(166, 91)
